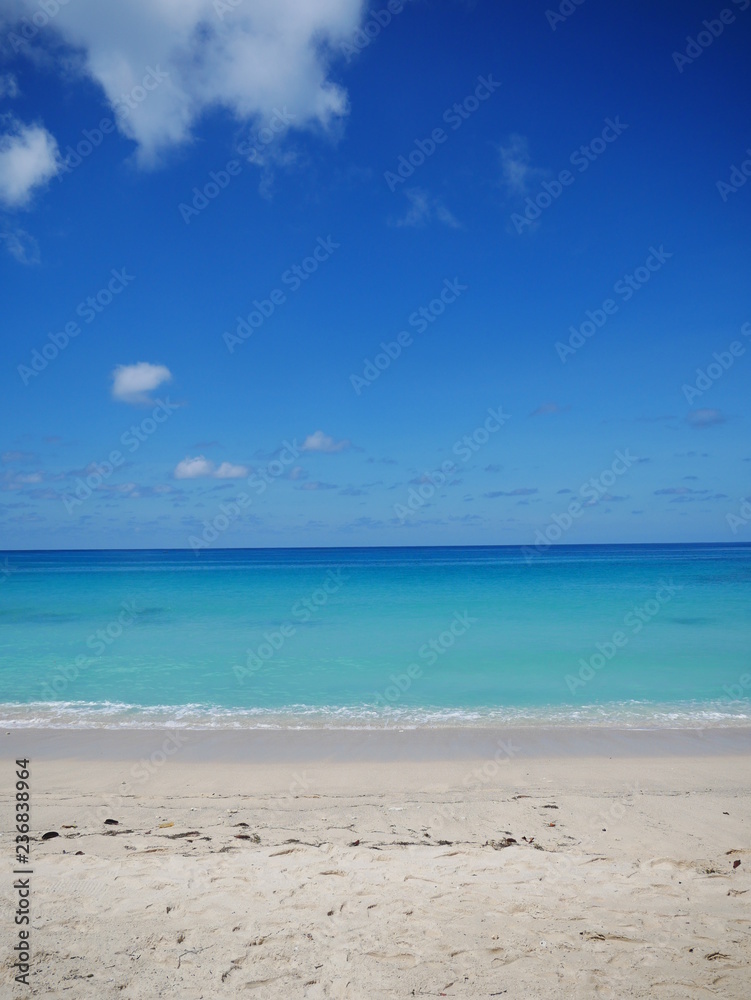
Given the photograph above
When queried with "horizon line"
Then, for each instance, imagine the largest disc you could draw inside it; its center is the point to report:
(324, 548)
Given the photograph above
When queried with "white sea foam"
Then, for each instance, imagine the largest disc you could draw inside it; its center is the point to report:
(617, 715)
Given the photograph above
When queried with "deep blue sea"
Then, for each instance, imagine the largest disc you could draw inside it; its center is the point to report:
(647, 635)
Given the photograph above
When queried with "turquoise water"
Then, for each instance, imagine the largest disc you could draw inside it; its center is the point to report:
(377, 637)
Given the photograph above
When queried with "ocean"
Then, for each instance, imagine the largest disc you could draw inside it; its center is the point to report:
(637, 636)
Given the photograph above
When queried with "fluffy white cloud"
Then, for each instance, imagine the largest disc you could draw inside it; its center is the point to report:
(318, 441)
(163, 63)
(133, 383)
(227, 470)
(28, 158)
(201, 467)
(194, 468)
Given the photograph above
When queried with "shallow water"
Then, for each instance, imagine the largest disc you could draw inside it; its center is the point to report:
(644, 635)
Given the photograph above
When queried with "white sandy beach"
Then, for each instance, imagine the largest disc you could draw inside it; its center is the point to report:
(399, 871)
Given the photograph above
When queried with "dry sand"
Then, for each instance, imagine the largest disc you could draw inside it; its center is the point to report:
(344, 865)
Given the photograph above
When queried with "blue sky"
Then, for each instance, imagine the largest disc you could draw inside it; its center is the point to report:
(158, 425)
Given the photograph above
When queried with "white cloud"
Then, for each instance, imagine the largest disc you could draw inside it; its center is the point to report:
(8, 85)
(16, 481)
(250, 58)
(423, 208)
(28, 158)
(194, 468)
(20, 245)
(133, 383)
(318, 441)
(201, 467)
(227, 470)
(516, 171)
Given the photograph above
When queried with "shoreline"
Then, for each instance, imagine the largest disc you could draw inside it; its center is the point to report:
(265, 746)
(731, 711)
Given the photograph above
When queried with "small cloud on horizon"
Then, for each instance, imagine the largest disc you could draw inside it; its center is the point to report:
(133, 383)
(201, 467)
(324, 443)
(314, 485)
(707, 417)
(228, 470)
(678, 491)
(545, 408)
(521, 491)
